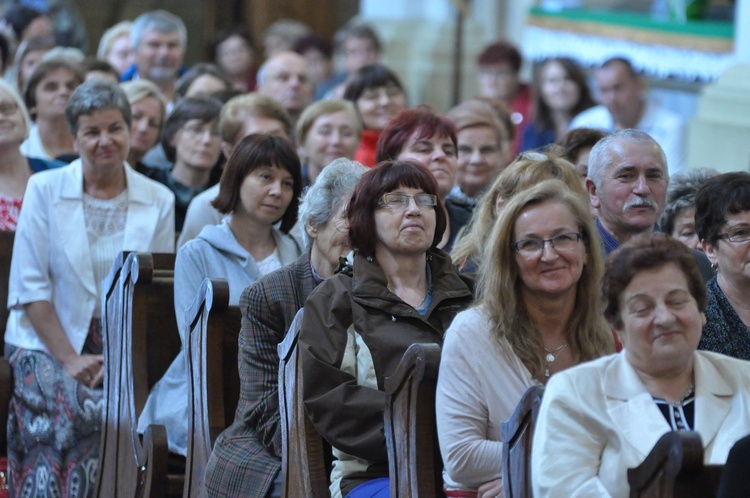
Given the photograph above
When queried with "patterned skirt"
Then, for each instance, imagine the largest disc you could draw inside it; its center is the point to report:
(54, 425)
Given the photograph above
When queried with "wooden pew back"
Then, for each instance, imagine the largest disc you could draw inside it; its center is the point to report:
(6, 253)
(674, 468)
(414, 461)
(518, 434)
(304, 453)
(214, 379)
(141, 340)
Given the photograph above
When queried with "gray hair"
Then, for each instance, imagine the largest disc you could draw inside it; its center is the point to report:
(681, 195)
(603, 153)
(96, 95)
(157, 20)
(321, 200)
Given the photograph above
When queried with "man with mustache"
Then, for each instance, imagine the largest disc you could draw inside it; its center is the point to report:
(158, 39)
(627, 183)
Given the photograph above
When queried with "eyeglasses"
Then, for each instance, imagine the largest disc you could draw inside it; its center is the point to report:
(741, 234)
(535, 247)
(401, 201)
(8, 108)
(390, 92)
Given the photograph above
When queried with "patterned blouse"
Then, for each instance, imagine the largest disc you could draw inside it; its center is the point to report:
(10, 210)
(724, 331)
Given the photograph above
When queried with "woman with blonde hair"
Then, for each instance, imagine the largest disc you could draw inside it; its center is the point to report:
(115, 48)
(149, 106)
(535, 315)
(529, 169)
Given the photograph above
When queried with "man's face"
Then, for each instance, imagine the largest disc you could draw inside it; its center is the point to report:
(287, 81)
(159, 56)
(621, 93)
(633, 191)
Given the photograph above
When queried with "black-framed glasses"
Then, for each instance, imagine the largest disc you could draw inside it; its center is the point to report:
(740, 234)
(401, 201)
(535, 247)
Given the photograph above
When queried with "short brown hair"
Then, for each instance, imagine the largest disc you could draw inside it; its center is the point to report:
(420, 120)
(239, 108)
(647, 252)
(384, 178)
(251, 153)
(499, 52)
(42, 71)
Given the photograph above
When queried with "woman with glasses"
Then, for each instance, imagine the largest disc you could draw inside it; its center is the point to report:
(260, 187)
(15, 168)
(722, 221)
(191, 141)
(536, 314)
(357, 325)
(378, 95)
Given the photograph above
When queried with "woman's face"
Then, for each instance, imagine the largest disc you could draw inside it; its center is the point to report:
(102, 139)
(661, 323)
(12, 129)
(481, 156)
(53, 93)
(265, 194)
(29, 62)
(234, 55)
(379, 105)
(198, 144)
(319, 65)
(331, 136)
(558, 90)
(438, 154)
(145, 126)
(121, 56)
(553, 271)
(331, 240)
(732, 258)
(684, 229)
(408, 229)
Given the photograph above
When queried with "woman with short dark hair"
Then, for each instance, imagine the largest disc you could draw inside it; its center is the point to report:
(603, 417)
(260, 187)
(722, 221)
(379, 96)
(399, 290)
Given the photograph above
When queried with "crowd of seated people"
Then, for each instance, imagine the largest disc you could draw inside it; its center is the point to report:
(485, 229)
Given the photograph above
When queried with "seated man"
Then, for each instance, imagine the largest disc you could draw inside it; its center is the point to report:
(624, 105)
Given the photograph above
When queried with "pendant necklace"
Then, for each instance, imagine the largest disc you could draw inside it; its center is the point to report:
(551, 356)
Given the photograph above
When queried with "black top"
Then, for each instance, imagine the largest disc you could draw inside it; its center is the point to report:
(724, 331)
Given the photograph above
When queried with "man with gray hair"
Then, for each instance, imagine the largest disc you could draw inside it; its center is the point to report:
(627, 184)
(159, 40)
(286, 79)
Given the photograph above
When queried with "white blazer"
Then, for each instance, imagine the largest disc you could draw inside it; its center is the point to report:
(51, 254)
(597, 420)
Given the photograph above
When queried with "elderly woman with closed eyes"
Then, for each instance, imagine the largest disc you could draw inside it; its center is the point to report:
(400, 290)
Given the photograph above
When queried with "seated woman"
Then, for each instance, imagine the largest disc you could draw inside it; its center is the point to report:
(46, 94)
(577, 144)
(247, 455)
(485, 147)
(536, 315)
(149, 109)
(722, 221)
(601, 418)
(526, 171)
(74, 222)
(326, 130)
(259, 188)
(429, 138)
(191, 140)
(379, 96)
(15, 168)
(358, 324)
(678, 218)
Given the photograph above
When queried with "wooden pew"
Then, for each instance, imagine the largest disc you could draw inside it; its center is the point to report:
(6, 253)
(214, 386)
(141, 340)
(518, 434)
(414, 461)
(305, 455)
(675, 469)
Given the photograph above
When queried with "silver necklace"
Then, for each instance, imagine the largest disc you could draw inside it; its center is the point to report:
(551, 356)
(388, 286)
